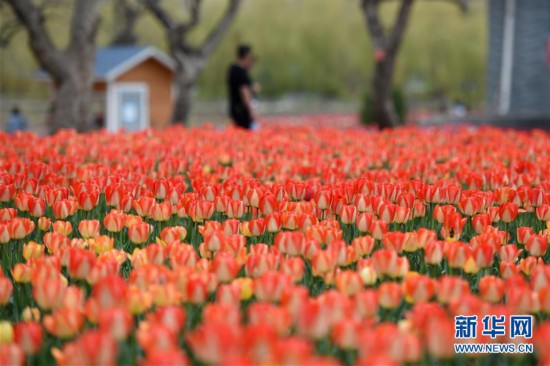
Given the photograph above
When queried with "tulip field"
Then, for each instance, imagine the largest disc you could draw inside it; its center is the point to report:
(284, 246)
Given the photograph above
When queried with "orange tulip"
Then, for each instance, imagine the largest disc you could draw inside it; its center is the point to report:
(44, 223)
(37, 206)
(165, 357)
(508, 212)
(348, 282)
(64, 208)
(394, 240)
(291, 243)
(363, 245)
(378, 229)
(143, 206)
(269, 286)
(491, 288)
(543, 212)
(63, 227)
(89, 228)
(294, 267)
(364, 221)
(6, 289)
(95, 347)
(33, 250)
(80, 263)
(171, 317)
(440, 337)
(11, 354)
(173, 233)
(470, 204)
(418, 288)
(29, 336)
(537, 245)
(348, 214)
(114, 221)
(313, 320)
(451, 288)
(7, 192)
(49, 293)
(4, 234)
(64, 323)
(225, 266)
(345, 334)
(161, 212)
(139, 233)
(536, 197)
(389, 295)
(212, 343)
(19, 228)
(323, 262)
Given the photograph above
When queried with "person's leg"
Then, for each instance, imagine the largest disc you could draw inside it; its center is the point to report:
(242, 120)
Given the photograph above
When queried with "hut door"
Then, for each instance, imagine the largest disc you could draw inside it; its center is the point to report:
(129, 107)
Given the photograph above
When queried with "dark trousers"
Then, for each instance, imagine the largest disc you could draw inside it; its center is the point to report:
(240, 116)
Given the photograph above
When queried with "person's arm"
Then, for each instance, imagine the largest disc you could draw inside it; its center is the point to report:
(246, 95)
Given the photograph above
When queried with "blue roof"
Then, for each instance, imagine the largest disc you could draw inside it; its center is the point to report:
(108, 58)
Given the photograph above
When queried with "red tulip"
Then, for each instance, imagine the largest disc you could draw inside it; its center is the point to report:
(508, 212)
(6, 289)
(64, 323)
(491, 288)
(139, 233)
(212, 343)
(19, 228)
(389, 295)
(418, 288)
(29, 336)
(37, 206)
(543, 212)
(537, 245)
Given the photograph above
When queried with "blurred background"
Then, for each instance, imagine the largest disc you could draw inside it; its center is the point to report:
(315, 56)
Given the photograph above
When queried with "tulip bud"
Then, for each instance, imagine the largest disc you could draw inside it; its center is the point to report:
(368, 275)
(6, 332)
(44, 223)
(31, 314)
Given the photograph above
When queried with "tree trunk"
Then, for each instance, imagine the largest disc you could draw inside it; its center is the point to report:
(182, 105)
(188, 68)
(127, 15)
(70, 105)
(383, 109)
(71, 68)
(387, 44)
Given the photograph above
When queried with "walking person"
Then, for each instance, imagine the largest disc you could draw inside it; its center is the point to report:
(16, 121)
(241, 89)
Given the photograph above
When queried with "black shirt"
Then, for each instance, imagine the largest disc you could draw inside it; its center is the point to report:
(237, 76)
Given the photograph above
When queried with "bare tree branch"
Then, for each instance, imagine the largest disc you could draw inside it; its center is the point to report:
(124, 30)
(8, 30)
(84, 23)
(400, 24)
(33, 19)
(194, 17)
(9, 26)
(374, 25)
(217, 33)
(160, 14)
(189, 60)
(71, 69)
